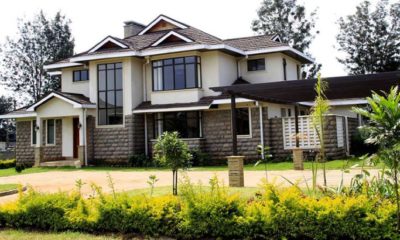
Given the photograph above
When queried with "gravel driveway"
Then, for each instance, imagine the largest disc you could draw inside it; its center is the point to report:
(54, 181)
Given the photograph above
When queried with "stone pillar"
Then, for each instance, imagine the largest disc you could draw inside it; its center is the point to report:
(38, 156)
(298, 159)
(81, 156)
(236, 175)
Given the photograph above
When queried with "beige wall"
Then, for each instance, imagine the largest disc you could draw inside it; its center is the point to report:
(67, 137)
(273, 68)
(68, 85)
(57, 108)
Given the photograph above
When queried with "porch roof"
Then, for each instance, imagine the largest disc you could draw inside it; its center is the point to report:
(344, 87)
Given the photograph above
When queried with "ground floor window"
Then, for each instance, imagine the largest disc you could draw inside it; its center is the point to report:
(50, 131)
(243, 119)
(187, 124)
(33, 132)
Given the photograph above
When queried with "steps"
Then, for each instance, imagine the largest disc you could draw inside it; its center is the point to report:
(61, 163)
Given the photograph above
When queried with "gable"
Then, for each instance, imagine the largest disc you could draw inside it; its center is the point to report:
(161, 26)
(171, 37)
(162, 23)
(108, 43)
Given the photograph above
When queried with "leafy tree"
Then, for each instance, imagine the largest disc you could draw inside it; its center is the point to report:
(318, 112)
(7, 127)
(172, 152)
(289, 20)
(383, 129)
(371, 39)
(40, 41)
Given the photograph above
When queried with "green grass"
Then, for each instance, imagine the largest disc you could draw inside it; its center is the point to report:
(245, 192)
(281, 166)
(8, 187)
(28, 235)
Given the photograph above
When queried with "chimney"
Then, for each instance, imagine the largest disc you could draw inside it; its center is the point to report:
(132, 28)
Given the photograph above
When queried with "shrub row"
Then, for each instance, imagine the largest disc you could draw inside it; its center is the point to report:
(271, 214)
(7, 163)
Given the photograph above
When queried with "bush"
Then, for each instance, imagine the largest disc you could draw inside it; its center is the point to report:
(141, 160)
(198, 213)
(200, 158)
(358, 146)
(7, 163)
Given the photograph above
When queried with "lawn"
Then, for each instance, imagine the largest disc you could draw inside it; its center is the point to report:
(331, 165)
(28, 235)
(8, 187)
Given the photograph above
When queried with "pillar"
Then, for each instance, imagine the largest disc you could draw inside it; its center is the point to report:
(39, 128)
(236, 174)
(298, 159)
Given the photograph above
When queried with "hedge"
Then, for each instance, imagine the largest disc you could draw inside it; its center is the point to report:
(7, 163)
(197, 213)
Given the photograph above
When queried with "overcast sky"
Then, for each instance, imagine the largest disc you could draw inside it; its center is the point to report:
(92, 20)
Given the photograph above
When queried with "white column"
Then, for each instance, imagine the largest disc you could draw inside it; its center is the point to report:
(39, 128)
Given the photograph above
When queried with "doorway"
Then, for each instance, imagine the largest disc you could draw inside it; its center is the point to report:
(75, 137)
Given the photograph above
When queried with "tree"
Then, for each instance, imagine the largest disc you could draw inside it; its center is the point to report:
(383, 129)
(318, 112)
(290, 21)
(7, 127)
(371, 39)
(174, 153)
(40, 41)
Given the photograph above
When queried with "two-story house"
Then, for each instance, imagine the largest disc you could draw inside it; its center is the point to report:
(120, 95)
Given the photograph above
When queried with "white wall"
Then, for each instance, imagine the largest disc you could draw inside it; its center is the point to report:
(274, 110)
(57, 108)
(343, 111)
(273, 68)
(67, 137)
(68, 85)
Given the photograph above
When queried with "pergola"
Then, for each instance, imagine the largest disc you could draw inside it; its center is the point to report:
(295, 92)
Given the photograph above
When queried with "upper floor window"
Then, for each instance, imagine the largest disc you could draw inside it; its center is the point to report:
(81, 75)
(110, 95)
(256, 64)
(176, 73)
(187, 124)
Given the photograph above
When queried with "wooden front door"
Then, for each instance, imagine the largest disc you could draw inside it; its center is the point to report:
(76, 137)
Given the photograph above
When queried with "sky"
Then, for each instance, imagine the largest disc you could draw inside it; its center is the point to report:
(92, 20)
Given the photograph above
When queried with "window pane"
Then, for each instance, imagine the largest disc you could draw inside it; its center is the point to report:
(119, 98)
(157, 76)
(193, 130)
(110, 66)
(102, 117)
(102, 99)
(102, 66)
(256, 64)
(118, 65)
(178, 60)
(190, 59)
(168, 61)
(110, 99)
(77, 76)
(34, 132)
(50, 131)
(190, 76)
(168, 78)
(242, 121)
(118, 79)
(115, 117)
(84, 75)
(179, 76)
(261, 64)
(157, 63)
(110, 79)
(102, 80)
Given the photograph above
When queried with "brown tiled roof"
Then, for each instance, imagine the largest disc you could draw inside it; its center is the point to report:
(76, 97)
(254, 42)
(345, 87)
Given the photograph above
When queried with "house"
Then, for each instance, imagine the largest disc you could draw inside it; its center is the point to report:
(119, 96)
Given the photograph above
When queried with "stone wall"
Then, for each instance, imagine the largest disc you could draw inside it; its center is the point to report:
(52, 152)
(114, 145)
(24, 149)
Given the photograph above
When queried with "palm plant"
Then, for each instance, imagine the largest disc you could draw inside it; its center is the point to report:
(383, 129)
(318, 112)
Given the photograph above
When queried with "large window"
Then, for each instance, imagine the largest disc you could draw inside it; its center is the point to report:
(81, 75)
(243, 121)
(50, 131)
(110, 96)
(176, 73)
(188, 124)
(33, 132)
(256, 64)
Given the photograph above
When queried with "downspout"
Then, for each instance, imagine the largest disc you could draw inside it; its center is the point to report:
(146, 144)
(261, 128)
(147, 61)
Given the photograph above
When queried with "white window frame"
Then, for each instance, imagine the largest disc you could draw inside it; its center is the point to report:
(55, 131)
(250, 135)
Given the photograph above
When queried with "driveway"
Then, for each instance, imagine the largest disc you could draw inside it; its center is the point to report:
(54, 181)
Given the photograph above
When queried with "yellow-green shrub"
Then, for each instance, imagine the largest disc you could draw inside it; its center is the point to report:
(198, 213)
(7, 163)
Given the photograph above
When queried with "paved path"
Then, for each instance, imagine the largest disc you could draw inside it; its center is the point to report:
(54, 181)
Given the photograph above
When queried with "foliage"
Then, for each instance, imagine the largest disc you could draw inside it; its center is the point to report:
(7, 126)
(358, 146)
(291, 23)
(200, 158)
(10, 163)
(318, 112)
(141, 160)
(370, 39)
(152, 182)
(171, 151)
(266, 156)
(272, 213)
(40, 41)
(19, 168)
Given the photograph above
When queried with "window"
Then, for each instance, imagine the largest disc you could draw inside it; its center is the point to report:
(81, 75)
(243, 121)
(110, 95)
(51, 131)
(33, 132)
(188, 124)
(283, 112)
(256, 64)
(176, 73)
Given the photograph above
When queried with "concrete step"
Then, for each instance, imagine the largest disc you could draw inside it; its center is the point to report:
(61, 163)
